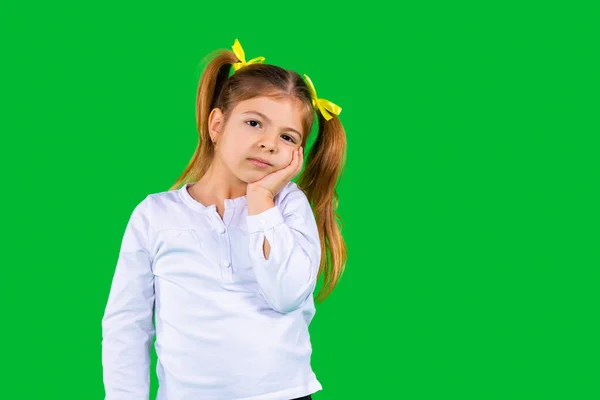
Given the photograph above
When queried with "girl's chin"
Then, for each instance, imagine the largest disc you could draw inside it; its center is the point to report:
(252, 176)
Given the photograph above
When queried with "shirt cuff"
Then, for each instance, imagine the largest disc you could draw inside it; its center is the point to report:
(265, 220)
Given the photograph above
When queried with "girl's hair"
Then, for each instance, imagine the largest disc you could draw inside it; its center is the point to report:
(324, 164)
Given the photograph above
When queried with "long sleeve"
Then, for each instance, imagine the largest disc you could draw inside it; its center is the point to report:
(289, 275)
(127, 326)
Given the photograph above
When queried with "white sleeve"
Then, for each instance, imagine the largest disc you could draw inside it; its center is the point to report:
(289, 275)
(127, 326)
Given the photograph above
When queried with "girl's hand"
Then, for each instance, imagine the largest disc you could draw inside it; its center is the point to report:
(271, 184)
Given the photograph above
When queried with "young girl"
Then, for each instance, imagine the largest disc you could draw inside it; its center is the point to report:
(227, 260)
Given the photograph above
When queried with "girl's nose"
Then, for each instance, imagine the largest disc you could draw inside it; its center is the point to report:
(268, 144)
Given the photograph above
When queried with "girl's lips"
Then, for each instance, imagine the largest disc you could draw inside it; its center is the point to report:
(259, 163)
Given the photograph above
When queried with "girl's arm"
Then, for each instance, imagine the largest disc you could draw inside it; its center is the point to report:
(127, 326)
(287, 272)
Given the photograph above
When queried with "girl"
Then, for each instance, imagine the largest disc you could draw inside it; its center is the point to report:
(227, 260)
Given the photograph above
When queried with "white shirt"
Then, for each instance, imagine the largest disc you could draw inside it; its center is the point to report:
(229, 324)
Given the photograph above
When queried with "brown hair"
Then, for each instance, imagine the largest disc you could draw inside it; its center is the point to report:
(324, 164)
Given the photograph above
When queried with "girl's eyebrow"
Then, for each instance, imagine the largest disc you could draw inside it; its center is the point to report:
(268, 120)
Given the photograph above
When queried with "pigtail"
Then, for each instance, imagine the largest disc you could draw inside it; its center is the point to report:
(323, 168)
(210, 86)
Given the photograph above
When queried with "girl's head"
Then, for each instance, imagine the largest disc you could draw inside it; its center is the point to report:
(265, 112)
(261, 112)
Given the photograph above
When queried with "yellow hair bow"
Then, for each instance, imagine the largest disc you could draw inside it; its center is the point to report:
(239, 53)
(325, 106)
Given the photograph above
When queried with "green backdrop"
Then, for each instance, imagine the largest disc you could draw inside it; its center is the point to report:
(470, 197)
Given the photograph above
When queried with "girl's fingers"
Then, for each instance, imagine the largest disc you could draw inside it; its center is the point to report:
(300, 161)
(294, 162)
(296, 158)
(295, 165)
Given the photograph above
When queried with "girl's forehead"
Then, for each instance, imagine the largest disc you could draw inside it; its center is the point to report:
(275, 103)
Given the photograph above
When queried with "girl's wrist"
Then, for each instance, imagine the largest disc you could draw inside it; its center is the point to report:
(259, 202)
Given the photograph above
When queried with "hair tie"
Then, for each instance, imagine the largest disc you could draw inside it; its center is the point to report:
(239, 53)
(324, 106)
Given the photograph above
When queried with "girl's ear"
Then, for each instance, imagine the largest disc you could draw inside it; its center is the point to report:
(215, 124)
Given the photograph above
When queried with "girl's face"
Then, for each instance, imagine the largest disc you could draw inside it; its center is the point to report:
(259, 137)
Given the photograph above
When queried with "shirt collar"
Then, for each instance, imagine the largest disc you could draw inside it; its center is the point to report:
(195, 204)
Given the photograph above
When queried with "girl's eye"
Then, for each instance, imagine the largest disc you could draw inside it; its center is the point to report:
(253, 123)
(288, 138)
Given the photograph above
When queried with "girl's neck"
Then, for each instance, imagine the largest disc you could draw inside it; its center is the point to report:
(216, 185)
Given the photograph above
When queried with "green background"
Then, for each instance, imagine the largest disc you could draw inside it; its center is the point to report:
(470, 197)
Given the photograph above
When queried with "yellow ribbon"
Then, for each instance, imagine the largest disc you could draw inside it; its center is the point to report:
(325, 106)
(239, 53)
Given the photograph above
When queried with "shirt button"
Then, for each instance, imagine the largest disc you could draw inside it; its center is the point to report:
(221, 230)
(225, 264)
